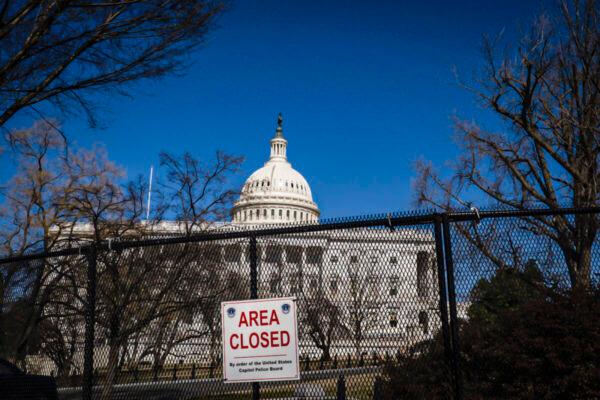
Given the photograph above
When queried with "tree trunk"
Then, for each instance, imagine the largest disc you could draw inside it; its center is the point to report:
(326, 355)
(579, 264)
(111, 368)
(578, 255)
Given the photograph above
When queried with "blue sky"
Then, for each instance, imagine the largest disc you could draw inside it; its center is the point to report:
(365, 88)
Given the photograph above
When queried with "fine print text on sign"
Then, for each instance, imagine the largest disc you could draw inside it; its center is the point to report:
(260, 340)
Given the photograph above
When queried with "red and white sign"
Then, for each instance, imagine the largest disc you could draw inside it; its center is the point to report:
(260, 340)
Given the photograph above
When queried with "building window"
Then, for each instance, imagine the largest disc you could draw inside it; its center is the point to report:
(314, 255)
(333, 284)
(273, 254)
(287, 214)
(244, 215)
(394, 280)
(295, 283)
(233, 253)
(274, 283)
(280, 214)
(333, 259)
(422, 274)
(424, 321)
(272, 214)
(393, 260)
(314, 283)
(393, 319)
(373, 287)
(294, 215)
(293, 254)
(353, 259)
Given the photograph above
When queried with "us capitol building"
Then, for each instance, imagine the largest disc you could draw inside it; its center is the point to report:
(383, 281)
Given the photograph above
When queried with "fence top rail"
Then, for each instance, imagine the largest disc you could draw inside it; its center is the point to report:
(390, 221)
(474, 215)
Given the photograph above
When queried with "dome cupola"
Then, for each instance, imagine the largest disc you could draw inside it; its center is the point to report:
(275, 193)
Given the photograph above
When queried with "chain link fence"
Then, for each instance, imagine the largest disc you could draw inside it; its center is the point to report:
(142, 318)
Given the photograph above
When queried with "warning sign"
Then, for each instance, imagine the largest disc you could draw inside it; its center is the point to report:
(260, 340)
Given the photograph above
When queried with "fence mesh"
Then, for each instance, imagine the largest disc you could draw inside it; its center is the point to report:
(372, 307)
(524, 332)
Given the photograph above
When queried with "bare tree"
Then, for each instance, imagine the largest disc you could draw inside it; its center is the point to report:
(198, 322)
(31, 212)
(547, 94)
(32, 218)
(137, 289)
(61, 52)
(59, 337)
(63, 197)
(196, 189)
(362, 308)
(321, 320)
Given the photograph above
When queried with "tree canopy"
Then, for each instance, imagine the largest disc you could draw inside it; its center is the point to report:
(61, 52)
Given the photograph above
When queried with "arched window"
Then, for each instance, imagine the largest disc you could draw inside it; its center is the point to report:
(265, 213)
(287, 214)
(244, 215)
(294, 215)
(280, 214)
(272, 213)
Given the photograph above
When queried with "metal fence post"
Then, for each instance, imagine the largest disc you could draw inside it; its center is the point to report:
(90, 318)
(254, 295)
(340, 393)
(458, 392)
(443, 304)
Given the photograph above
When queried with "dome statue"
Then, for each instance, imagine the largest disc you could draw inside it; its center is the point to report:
(275, 193)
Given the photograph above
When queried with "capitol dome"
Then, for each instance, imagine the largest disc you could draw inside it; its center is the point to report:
(275, 193)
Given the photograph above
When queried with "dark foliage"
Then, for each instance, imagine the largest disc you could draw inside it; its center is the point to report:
(523, 340)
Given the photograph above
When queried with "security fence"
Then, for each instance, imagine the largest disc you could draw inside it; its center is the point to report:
(135, 319)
